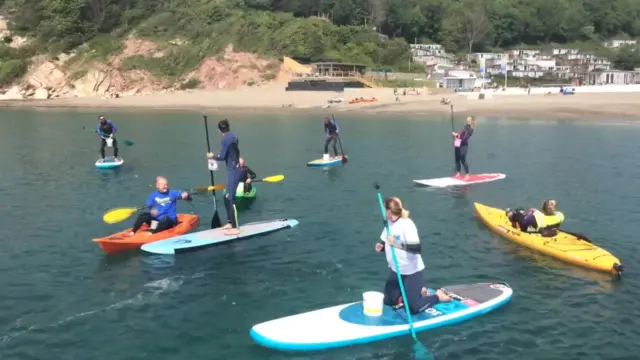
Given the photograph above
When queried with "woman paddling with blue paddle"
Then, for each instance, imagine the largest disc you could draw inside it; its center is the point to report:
(402, 235)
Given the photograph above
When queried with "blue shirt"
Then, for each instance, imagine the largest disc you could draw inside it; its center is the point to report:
(230, 150)
(165, 204)
(331, 128)
(107, 128)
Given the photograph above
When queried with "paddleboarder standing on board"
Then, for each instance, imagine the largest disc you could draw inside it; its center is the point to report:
(331, 131)
(461, 146)
(107, 129)
(230, 153)
(404, 238)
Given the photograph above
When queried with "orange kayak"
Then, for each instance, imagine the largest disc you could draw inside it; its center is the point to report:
(121, 241)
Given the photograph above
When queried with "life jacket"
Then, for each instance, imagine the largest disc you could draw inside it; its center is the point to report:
(544, 221)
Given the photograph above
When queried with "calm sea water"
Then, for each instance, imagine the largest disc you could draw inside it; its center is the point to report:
(63, 298)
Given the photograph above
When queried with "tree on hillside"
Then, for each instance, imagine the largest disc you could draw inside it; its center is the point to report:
(466, 24)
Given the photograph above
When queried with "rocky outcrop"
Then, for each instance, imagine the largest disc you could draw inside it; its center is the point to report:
(95, 82)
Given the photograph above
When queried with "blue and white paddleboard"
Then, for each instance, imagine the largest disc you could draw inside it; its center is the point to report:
(321, 162)
(345, 325)
(109, 162)
(206, 238)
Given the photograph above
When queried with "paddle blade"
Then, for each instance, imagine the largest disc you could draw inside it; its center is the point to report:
(128, 142)
(344, 159)
(215, 220)
(208, 188)
(116, 215)
(273, 179)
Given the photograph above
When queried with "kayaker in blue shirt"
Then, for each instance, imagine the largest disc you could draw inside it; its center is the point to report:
(246, 175)
(461, 146)
(230, 153)
(107, 129)
(331, 131)
(163, 204)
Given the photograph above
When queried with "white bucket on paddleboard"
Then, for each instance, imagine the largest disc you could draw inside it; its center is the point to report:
(154, 225)
(325, 157)
(372, 303)
(109, 142)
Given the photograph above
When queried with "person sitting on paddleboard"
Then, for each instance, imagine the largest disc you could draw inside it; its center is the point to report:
(331, 131)
(461, 145)
(545, 221)
(404, 238)
(230, 153)
(107, 129)
(163, 207)
(246, 174)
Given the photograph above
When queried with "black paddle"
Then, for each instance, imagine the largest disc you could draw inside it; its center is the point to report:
(344, 158)
(579, 236)
(215, 220)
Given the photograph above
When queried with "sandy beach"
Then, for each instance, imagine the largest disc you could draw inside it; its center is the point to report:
(275, 98)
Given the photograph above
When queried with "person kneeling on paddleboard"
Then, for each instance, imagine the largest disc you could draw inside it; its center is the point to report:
(545, 221)
(246, 174)
(404, 238)
(163, 208)
(461, 145)
(230, 153)
(331, 131)
(107, 129)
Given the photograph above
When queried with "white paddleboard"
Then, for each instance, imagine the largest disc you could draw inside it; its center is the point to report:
(109, 162)
(453, 181)
(346, 325)
(332, 161)
(206, 238)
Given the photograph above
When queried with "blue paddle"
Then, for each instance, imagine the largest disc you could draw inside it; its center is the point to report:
(420, 349)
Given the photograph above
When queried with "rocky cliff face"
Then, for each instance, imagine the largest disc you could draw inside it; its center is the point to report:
(55, 77)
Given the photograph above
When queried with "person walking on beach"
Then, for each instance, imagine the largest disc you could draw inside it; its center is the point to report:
(461, 146)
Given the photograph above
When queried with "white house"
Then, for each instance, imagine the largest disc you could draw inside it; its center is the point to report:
(616, 43)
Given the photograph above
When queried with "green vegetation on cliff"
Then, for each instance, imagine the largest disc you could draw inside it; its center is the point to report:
(343, 30)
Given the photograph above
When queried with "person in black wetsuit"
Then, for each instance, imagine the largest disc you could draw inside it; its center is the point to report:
(230, 153)
(331, 131)
(461, 146)
(246, 175)
(106, 130)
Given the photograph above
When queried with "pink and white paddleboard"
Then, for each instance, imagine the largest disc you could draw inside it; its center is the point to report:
(457, 181)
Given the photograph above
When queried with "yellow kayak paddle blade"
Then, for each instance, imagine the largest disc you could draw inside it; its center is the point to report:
(116, 215)
(208, 188)
(274, 178)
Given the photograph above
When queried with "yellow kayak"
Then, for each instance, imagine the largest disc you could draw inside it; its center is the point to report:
(564, 246)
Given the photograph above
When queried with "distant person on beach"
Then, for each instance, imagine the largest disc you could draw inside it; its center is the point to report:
(106, 130)
(331, 131)
(230, 153)
(461, 146)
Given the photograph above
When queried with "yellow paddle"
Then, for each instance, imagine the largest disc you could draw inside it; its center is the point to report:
(270, 179)
(119, 214)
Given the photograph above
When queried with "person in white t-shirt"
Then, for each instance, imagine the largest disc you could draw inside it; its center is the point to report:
(404, 238)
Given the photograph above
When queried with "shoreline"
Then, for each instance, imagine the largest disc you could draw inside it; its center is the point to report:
(276, 100)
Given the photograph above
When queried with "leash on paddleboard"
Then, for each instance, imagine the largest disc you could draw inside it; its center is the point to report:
(422, 348)
(215, 220)
(344, 158)
(126, 142)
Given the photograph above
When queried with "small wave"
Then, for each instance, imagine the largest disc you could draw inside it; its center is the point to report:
(154, 290)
